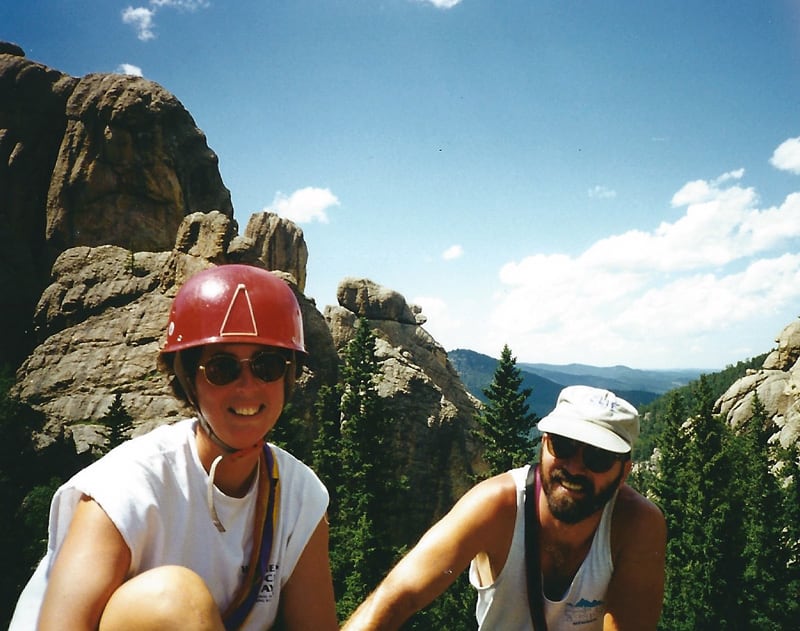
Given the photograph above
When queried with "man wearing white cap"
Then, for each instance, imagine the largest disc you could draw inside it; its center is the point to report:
(585, 552)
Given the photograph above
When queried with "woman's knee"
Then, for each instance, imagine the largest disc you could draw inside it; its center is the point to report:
(165, 598)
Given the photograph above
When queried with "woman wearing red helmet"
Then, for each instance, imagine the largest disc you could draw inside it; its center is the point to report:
(200, 524)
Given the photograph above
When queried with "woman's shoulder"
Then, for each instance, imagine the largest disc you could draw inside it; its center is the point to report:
(149, 454)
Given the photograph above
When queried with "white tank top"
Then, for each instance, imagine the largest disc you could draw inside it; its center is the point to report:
(504, 604)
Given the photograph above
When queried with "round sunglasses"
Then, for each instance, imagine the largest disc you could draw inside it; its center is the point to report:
(595, 459)
(222, 369)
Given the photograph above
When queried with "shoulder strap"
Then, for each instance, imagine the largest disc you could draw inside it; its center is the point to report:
(532, 560)
(267, 508)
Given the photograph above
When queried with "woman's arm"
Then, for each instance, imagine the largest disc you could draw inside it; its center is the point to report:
(92, 563)
(307, 600)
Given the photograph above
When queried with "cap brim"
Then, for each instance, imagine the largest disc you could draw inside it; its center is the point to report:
(585, 432)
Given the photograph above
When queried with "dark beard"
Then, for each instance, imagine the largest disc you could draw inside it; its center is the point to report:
(572, 511)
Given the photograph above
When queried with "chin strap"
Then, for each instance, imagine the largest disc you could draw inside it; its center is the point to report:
(235, 455)
(210, 494)
(229, 452)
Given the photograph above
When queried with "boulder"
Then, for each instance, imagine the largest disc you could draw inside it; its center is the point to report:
(276, 241)
(787, 349)
(370, 300)
(777, 385)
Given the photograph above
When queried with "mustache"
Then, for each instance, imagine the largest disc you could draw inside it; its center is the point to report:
(562, 475)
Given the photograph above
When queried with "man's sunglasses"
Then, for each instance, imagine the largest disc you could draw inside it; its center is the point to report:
(595, 459)
(222, 369)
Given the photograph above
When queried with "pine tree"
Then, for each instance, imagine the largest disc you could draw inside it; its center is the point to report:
(368, 491)
(713, 518)
(505, 424)
(696, 488)
(292, 433)
(670, 486)
(764, 555)
(789, 473)
(119, 422)
(325, 456)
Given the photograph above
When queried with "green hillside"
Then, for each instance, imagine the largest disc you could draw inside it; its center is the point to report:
(640, 387)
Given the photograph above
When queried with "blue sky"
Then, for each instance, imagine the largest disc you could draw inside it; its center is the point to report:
(612, 182)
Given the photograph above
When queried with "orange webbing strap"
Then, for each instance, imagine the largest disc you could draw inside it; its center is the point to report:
(266, 520)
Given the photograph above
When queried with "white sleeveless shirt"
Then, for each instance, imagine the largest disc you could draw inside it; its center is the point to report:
(153, 488)
(504, 603)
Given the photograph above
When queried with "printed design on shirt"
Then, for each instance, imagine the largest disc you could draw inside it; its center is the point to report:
(584, 611)
(268, 585)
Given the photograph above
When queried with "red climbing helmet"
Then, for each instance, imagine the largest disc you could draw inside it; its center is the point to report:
(235, 304)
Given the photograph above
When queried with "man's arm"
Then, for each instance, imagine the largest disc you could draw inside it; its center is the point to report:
(636, 592)
(91, 564)
(479, 522)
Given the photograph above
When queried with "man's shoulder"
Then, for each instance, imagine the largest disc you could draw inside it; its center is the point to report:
(634, 514)
(495, 497)
(632, 504)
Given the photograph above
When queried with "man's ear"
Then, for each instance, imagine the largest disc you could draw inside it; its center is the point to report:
(626, 470)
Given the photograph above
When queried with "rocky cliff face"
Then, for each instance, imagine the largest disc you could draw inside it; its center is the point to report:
(100, 160)
(111, 199)
(777, 385)
(432, 408)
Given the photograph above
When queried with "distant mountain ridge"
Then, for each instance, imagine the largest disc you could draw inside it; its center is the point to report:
(547, 380)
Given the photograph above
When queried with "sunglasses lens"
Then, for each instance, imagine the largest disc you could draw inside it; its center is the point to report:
(595, 459)
(562, 447)
(598, 460)
(268, 366)
(221, 370)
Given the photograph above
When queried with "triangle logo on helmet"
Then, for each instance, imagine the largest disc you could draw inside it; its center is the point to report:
(240, 319)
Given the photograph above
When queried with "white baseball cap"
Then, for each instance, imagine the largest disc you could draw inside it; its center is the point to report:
(593, 416)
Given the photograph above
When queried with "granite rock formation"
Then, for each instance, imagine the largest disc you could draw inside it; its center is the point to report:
(106, 159)
(777, 385)
(433, 411)
(100, 322)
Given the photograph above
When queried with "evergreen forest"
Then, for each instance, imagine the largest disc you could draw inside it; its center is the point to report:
(731, 498)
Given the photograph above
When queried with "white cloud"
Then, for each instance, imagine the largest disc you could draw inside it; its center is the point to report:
(130, 69)
(443, 4)
(722, 262)
(142, 20)
(787, 156)
(701, 190)
(304, 205)
(453, 252)
(602, 192)
(720, 225)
